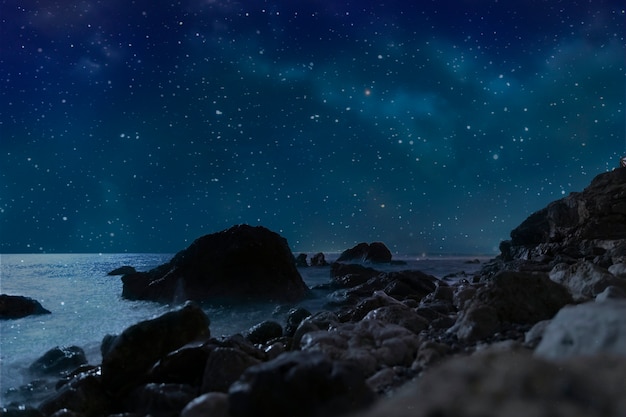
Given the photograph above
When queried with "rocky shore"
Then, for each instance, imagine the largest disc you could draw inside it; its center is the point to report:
(538, 331)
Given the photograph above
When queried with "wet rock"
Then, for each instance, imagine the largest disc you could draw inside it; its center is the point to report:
(301, 260)
(584, 279)
(351, 275)
(16, 306)
(585, 329)
(375, 252)
(401, 315)
(240, 263)
(212, 404)
(123, 270)
(224, 366)
(369, 344)
(299, 383)
(264, 332)
(511, 383)
(127, 358)
(322, 320)
(160, 400)
(318, 260)
(59, 360)
(182, 366)
(83, 394)
(294, 318)
(611, 293)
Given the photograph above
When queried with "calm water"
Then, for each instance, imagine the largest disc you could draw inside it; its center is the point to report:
(86, 304)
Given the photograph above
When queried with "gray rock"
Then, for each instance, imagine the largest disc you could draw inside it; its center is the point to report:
(512, 384)
(611, 293)
(401, 315)
(585, 329)
(264, 332)
(304, 384)
(83, 394)
(212, 404)
(585, 280)
(58, 360)
(618, 269)
(369, 344)
(224, 366)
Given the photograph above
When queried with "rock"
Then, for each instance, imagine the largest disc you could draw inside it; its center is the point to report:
(618, 269)
(611, 293)
(368, 344)
(510, 297)
(584, 330)
(264, 332)
(212, 404)
(182, 366)
(322, 320)
(294, 318)
(511, 383)
(375, 252)
(399, 314)
(318, 260)
(160, 400)
(305, 384)
(585, 280)
(351, 275)
(582, 225)
(301, 260)
(123, 270)
(16, 306)
(224, 366)
(20, 411)
(59, 360)
(240, 263)
(84, 394)
(535, 334)
(128, 357)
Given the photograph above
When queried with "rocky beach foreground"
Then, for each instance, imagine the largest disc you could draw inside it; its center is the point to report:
(539, 331)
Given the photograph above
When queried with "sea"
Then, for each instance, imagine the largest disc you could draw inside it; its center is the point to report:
(86, 305)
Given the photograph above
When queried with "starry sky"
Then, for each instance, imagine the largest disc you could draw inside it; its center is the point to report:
(433, 126)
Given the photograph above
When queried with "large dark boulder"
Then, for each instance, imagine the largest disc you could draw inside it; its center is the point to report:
(584, 224)
(59, 360)
(16, 306)
(127, 358)
(375, 252)
(240, 263)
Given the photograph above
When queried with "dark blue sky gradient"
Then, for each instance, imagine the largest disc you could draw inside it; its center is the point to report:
(433, 126)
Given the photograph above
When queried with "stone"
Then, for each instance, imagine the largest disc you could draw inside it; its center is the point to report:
(585, 280)
(224, 366)
(511, 384)
(399, 314)
(182, 366)
(83, 394)
(318, 260)
(239, 264)
(128, 357)
(17, 306)
(294, 318)
(306, 384)
(160, 400)
(264, 332)
(351, 275)
(584, 330)
(611, 293)
(301, 260)
(59, 360)
(211, 404)
(375, 252)
(368, 344)
(618, 269)
(123, 270)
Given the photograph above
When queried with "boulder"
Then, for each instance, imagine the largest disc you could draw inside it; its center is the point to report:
(585, 329)
(240, 263)
(59, 360)
(264, 332)
(301, 260)
(84, 394)
(511, 383)
(224, 366)
(160, 400)
(306, 384)
(182, 366)
(213, 404)
(127, 358)
(351, 275)
(375, 252)
(401, 315)
(585, 280)
(510, 297)
(318, 260)
(294, 318)
(16, 306)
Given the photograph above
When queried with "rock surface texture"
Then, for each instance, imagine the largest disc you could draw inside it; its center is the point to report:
(240, 263)
(16, 306)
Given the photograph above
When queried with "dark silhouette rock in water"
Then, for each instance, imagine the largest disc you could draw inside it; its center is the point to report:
(59, 360)
(240, 263)
(17, 306)
(375, 252)
(584, 224)
(318, 260)
(123, 270)
(301, 260)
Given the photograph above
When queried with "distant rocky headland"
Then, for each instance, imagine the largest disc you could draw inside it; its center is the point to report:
(539, 330)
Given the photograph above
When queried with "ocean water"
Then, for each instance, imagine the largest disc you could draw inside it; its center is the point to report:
(86, 304)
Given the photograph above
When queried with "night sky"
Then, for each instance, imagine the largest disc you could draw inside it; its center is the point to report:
(433, 126)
